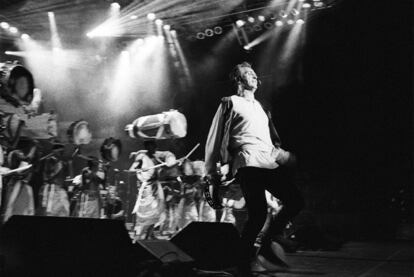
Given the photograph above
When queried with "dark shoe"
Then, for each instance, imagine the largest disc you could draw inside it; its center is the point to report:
(273, 257)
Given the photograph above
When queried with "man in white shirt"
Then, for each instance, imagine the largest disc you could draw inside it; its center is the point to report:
(243, 136)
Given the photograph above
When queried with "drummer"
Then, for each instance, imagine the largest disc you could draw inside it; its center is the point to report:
(91, 180)
(53, 197)
(150, 205)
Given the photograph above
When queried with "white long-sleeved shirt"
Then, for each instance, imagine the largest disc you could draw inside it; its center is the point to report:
(249, 139)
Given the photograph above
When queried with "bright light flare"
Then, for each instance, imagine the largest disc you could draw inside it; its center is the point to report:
(306, 6)
(114, 10)
(279, 23)
(115, 5)
(13, 30)
(158, 22)
(261, 18)
(240, 23)
(151, 16)
(5, 25)
(108, 29)
(300, 21)
(25, 36)
(54, 31)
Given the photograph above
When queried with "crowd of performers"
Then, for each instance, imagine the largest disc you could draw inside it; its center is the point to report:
(37, 172)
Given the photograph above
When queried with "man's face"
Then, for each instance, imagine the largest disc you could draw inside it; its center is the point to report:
(249, 78)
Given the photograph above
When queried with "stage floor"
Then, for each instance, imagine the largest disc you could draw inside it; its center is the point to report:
(362, 259)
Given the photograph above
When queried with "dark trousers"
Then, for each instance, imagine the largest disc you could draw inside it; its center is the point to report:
(279, 182)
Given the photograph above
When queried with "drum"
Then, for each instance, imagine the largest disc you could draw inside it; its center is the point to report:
(16, 80)
(166, 125)
(79, 133)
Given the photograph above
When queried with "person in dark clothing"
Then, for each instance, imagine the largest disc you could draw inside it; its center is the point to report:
(113, 206)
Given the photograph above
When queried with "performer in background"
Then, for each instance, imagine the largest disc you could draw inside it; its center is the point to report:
(113, 205)
(187, 205)
(243, 135)
(19, 198)
(149, 206)
(53, 197)
(91, 180)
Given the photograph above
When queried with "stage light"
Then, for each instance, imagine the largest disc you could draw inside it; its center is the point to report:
(25, 36)
(306, 6)
(301, 0)
(151, 16)
(218, 30)
(209, 32)
(158, 22)
(257, 27)
(247, 48)
(13, 30)
(290, 22)
(4, 25)
(268, 25)
(134, 16)
(294, 12)
(283, 14)
(200, 35)
(272, 16)
(318, 4)
(261, 18)
(250, 19)
(249, 29)
(279, 23)
(115, 5)
(167, 27)
(240, 23)
(300, 21)
(173, 33)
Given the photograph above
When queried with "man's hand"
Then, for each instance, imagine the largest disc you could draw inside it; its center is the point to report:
(286, 158)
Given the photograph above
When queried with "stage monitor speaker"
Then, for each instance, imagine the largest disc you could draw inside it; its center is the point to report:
(213, 245)
(163, 258)
(165, 251)
(58, 246)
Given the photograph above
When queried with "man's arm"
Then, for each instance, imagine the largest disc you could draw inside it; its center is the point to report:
(166, 157)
